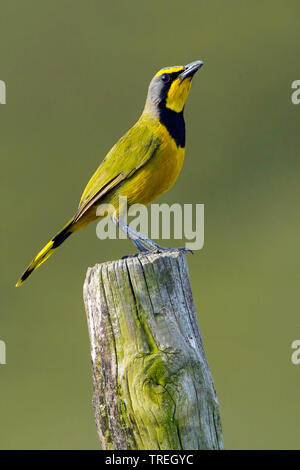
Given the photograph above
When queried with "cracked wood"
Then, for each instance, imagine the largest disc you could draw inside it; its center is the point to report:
(152, 385)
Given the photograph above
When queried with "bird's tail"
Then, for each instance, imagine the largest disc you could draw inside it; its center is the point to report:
(47, 251)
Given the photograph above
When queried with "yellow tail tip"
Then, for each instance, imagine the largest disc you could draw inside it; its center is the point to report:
(47, 251)
(25, 275)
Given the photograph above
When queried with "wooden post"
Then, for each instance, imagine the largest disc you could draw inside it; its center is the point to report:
(152, 385)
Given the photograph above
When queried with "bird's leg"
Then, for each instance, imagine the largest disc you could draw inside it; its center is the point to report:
(140, 246)
(142, 242)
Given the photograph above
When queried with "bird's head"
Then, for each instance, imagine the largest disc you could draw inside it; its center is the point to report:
(170, 87)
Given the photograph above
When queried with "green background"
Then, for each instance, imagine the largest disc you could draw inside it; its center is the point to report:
(76, 75)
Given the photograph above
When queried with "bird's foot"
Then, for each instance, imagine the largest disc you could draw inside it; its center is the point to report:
(186, 250)
(158, 249)
(161, 249)
(134, 255)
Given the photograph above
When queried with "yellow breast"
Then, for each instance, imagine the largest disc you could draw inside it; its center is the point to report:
(159, 174)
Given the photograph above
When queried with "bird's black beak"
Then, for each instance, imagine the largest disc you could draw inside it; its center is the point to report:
(191, 69)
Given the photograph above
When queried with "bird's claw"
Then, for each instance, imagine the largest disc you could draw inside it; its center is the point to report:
(161, 249)
(186, 250)
(134, 255)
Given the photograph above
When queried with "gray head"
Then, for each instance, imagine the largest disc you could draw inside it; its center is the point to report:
(170, 87)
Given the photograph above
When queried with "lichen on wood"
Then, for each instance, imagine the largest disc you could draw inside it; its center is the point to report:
(152, 385)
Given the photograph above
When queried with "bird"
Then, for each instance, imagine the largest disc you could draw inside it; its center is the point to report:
(141, 166)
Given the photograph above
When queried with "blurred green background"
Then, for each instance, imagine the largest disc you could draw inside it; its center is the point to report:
(76, 75)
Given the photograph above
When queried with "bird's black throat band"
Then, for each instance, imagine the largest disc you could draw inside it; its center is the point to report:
(174, 122)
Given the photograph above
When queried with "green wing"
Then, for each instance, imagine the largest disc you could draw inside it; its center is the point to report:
(126, 157)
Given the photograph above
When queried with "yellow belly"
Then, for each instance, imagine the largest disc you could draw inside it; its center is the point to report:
(158, 175)
(154, 179)
(149, 182)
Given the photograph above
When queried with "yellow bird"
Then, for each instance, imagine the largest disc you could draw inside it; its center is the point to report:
(141, 166)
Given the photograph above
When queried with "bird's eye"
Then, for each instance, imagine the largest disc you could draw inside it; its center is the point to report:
(165, 77)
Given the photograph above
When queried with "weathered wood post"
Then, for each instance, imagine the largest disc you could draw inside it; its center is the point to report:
(152, 385)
